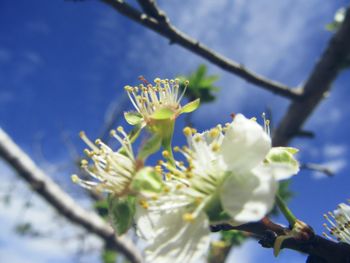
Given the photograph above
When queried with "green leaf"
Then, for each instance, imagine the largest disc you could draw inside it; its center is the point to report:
(191, 106)
(133, 118)
(122, 210)
(151, 146)
(109, 256)
(147, 180)
(162, 114)
(200, 85)
(233, 237)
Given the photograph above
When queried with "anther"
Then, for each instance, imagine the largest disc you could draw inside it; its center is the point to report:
(75, 178)
(165, 154)
(188, 217)
(187, 131)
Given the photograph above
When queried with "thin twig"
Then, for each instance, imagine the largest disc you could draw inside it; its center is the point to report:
(62, 202)
(318, 168)
(170, 32)
(317, 86)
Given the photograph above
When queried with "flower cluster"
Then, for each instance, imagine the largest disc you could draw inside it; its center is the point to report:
(228, 174)
(339, 223)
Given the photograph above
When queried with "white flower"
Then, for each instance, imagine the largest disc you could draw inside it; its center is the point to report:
(113, 170)
(237, 166)
(231, 177)
(169, 229)
(339, 223)
(159, 102)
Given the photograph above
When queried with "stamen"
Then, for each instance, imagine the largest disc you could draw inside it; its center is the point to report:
(87, 140)
(187, 131)
(214, 133)
(144, 204)
(166, 154)
(188, 217)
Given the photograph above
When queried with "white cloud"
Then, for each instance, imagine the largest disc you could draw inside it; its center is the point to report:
(57, 232)
(334, 150)
(336, 166)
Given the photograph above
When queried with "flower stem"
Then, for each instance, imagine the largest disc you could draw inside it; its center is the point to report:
(285, 210)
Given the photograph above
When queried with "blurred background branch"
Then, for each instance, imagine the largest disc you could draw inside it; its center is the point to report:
(63, 203)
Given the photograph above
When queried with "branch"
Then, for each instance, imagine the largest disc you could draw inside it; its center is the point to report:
(150, 8)
(62, 202)
(317, 85)
(170, 32)
(318, 168)
(313, 245)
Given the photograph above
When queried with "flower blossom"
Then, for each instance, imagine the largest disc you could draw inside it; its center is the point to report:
(232, 176)
(339, 223)
(158, 102)
(113, 170)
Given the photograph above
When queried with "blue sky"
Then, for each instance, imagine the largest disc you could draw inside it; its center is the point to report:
(63, 64)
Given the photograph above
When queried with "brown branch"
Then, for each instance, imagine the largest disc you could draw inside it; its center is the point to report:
(170, 32)
(313, 245)
(317, 85)
(62, 202)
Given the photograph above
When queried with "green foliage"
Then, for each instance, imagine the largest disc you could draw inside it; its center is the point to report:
(121, 210)
(201, 86)
(233, 237)
(109, 256)
(133, 118)
(191, 106)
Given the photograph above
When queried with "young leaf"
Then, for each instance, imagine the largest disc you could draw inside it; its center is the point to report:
(133, 118)
(109, 256)
(122, 210)
(192, 106)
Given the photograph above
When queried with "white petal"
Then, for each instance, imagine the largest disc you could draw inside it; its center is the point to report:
(248, 197)
(245, 144)
(178, 241)
(146, 223)
(148, 220)
(282, 171)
